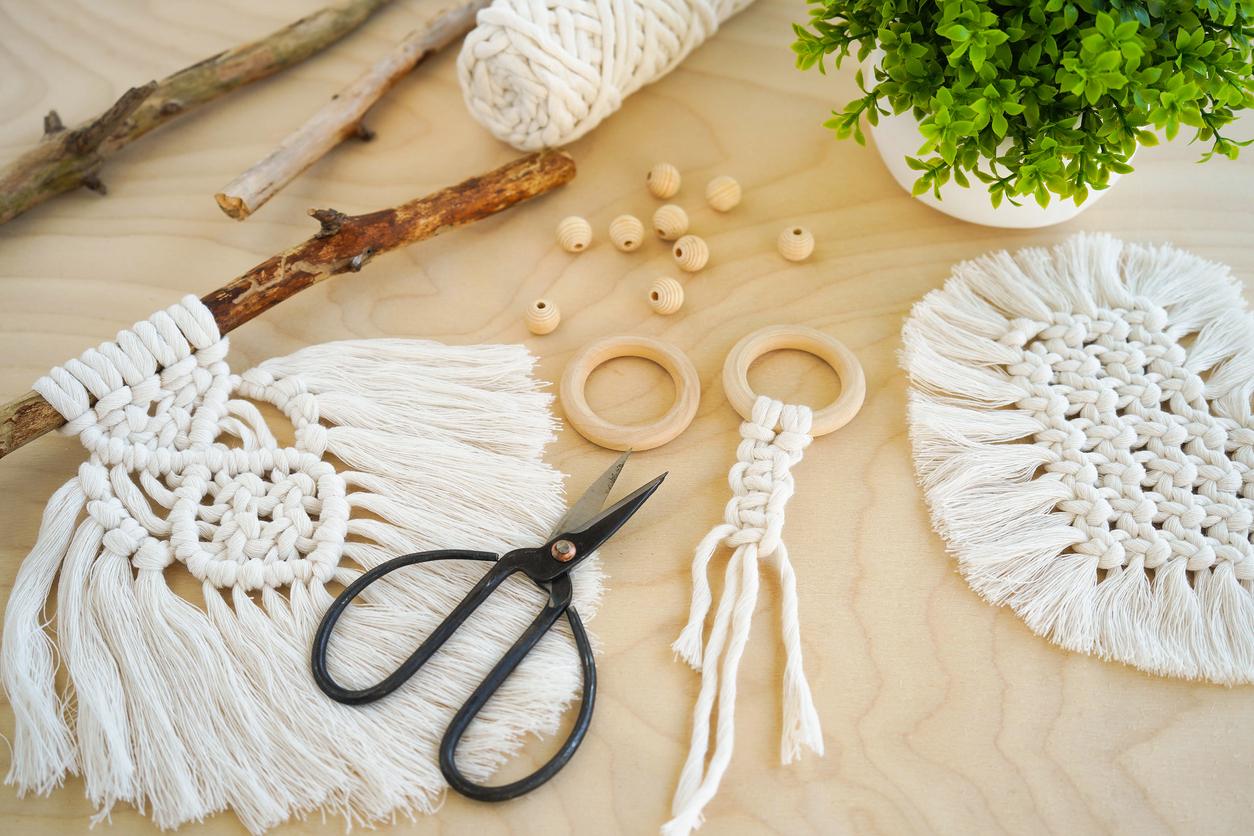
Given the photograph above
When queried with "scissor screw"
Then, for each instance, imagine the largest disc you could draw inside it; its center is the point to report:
(563, 551)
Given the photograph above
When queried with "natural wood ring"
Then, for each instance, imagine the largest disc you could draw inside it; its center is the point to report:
(828, 349)
(630, 436)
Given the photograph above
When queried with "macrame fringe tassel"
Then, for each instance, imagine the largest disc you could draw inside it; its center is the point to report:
(976, 460)
(762, 484)
(43, 750)
(184, 707)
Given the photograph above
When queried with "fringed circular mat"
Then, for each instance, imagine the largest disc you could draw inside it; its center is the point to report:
(1081, 427)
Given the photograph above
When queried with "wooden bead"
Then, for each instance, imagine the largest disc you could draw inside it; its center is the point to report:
(670, 222)
(663, 180)
(542, 317)
(666, 296)
(691, 253)
(795, 243)
(574, 234)
(722, 193)
(627, 233)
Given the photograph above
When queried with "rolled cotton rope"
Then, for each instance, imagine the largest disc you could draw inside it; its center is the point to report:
(541, 74)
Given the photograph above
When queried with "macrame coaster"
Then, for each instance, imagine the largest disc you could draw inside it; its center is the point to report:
(762, 483)
(187, 706)
(543, 73)
(1081, 427)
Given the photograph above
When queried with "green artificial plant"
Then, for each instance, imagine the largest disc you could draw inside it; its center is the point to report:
(1039, 97)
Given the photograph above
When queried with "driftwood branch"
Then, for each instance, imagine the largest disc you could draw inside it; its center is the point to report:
(340, 118)
(67, 159)
(343, 244)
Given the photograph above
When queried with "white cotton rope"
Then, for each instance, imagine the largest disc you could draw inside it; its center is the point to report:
(1081, 423)
(762, 483)
(185, 707)
(541, 73)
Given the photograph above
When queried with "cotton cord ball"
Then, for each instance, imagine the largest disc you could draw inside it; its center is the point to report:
(670, 222)
(691, 253)
(574, 234)
(627, 233)
(666, 296)
(795, 243)
(542, 73)
(722, 193)
(663, 180)
(542, 317)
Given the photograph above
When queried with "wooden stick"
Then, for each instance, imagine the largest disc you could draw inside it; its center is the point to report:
(341, 117)
(67, 159)
(344, 244)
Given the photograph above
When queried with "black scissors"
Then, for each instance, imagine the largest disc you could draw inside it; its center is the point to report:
(578, 534)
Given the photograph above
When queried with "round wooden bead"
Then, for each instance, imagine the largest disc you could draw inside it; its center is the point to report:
(542, 317)
(666, 296)
(795, 243)
(691, 253)
(670, 222)
(663, 180)
(722, 193)
(627, 233)
(574, 234)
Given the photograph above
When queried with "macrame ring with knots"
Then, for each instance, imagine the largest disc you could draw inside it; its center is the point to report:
(630, 436)
(828, 349)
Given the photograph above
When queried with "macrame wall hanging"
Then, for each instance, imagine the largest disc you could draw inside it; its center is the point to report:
(542, 74)
(186, 706)
(1081, 427)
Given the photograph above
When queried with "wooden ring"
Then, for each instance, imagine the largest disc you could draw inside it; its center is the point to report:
(828, 349)
(630, 436)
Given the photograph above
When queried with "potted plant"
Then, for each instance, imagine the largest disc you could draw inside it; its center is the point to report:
(1015, 112)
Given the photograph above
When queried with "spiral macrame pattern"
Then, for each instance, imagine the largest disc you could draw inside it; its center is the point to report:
(1082, 425)
(541, 74)
(184, 705)
(762, 483)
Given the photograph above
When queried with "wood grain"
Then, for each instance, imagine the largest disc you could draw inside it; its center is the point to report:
(941, 714)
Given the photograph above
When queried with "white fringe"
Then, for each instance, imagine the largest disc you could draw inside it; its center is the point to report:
(1005, 486)
(186, 708)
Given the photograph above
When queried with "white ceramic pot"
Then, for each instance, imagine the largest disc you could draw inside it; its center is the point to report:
(897, 137)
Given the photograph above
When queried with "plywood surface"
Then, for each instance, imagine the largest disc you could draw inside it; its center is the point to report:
(941, 714)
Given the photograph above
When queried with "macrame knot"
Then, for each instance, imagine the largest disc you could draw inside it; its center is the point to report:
(773, 440)
(761, 480)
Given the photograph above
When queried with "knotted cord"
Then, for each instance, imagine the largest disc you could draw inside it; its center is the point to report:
(762, 483)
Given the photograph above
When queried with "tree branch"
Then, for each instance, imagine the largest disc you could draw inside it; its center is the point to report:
(341, 117)
(343, 244)
(65, 160)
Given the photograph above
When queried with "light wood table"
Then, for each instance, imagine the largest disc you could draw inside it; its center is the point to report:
(941, 714)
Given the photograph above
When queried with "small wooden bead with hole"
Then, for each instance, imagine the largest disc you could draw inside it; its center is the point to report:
(663, 180)
(574, 234)
(795, 243)
(670, 222)
(722, 193)
(626, 233)
(691, 253)
(542, 317)
(666, 296)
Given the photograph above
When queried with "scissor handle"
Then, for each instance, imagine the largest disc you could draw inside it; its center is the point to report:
(560, 595)
(479, 593)
(559, 602)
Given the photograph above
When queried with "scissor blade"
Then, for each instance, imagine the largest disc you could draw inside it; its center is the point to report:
(589, 505)
(597, 531)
